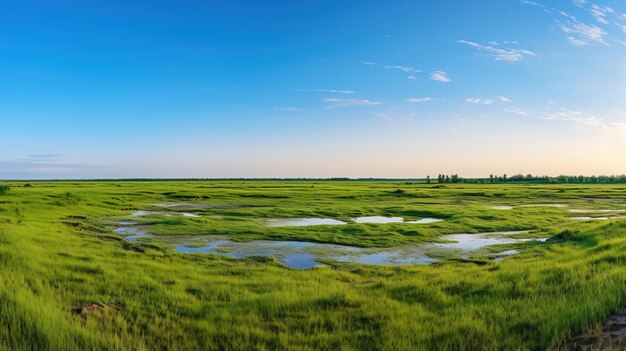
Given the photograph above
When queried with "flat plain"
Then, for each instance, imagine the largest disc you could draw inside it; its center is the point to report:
(71, 279)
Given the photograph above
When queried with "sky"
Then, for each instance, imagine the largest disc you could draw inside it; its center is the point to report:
(325, 88)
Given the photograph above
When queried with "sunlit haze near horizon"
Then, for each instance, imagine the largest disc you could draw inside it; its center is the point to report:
(398, 89)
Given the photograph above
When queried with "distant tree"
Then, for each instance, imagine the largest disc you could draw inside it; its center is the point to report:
(427, 179)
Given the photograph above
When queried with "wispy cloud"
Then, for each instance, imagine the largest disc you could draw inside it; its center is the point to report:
(287, 108)
(498, 53)
(424, 99)
(336, 91)
(478, 101)
(440, 76)
(536, 4)
(334, 103)
(578, 118)
(45, 157)
(581, 34)
(517, 111)
(41, 163)
(332, 91)
(600, 13)
(407, 69)
(488, 101)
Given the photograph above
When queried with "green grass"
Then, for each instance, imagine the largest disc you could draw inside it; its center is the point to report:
(58, 253)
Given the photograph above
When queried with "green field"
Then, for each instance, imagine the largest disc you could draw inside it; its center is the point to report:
(69, 282)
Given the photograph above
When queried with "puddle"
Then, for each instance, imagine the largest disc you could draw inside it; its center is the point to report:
(141, 213)
(586, 218)
(500, 256)
(545, 205)
(383, 220)
(502, 207)
(306, 255)
(294, 254)
(472, 242)
(303, 255)
(146, 213)
(425, 221)
(131, 234)
(195, 205)
(303, 222)
(595, 211)
(300, 261)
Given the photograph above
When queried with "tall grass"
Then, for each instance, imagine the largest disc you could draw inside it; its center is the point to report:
(58, 254)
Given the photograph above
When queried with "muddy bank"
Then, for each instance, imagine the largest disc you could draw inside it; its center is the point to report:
(611, 337)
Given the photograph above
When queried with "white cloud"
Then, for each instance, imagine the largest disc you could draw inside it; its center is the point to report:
(42, 163)
(478, 101)
(424, 99)
(600, 13)
(412, 77)
(517, 111)
(578, 118)
(440, 76)
(534, 3)
(334, 103)
(407, 69)
(488, 101)
(336, 91)
(498, 53)
(579, 33)
(401, 68)
(287, 108)
(576, 42)
(583, 34)
(333, 91)
(530, 3)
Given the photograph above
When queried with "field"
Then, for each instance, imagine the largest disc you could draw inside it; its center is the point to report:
(69, 282)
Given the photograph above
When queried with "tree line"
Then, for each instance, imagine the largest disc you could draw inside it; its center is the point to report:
(529, 178)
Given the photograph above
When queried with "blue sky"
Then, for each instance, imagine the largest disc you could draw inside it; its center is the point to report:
(311, 88)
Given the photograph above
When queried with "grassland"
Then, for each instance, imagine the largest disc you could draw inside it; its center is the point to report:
(68, 282)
